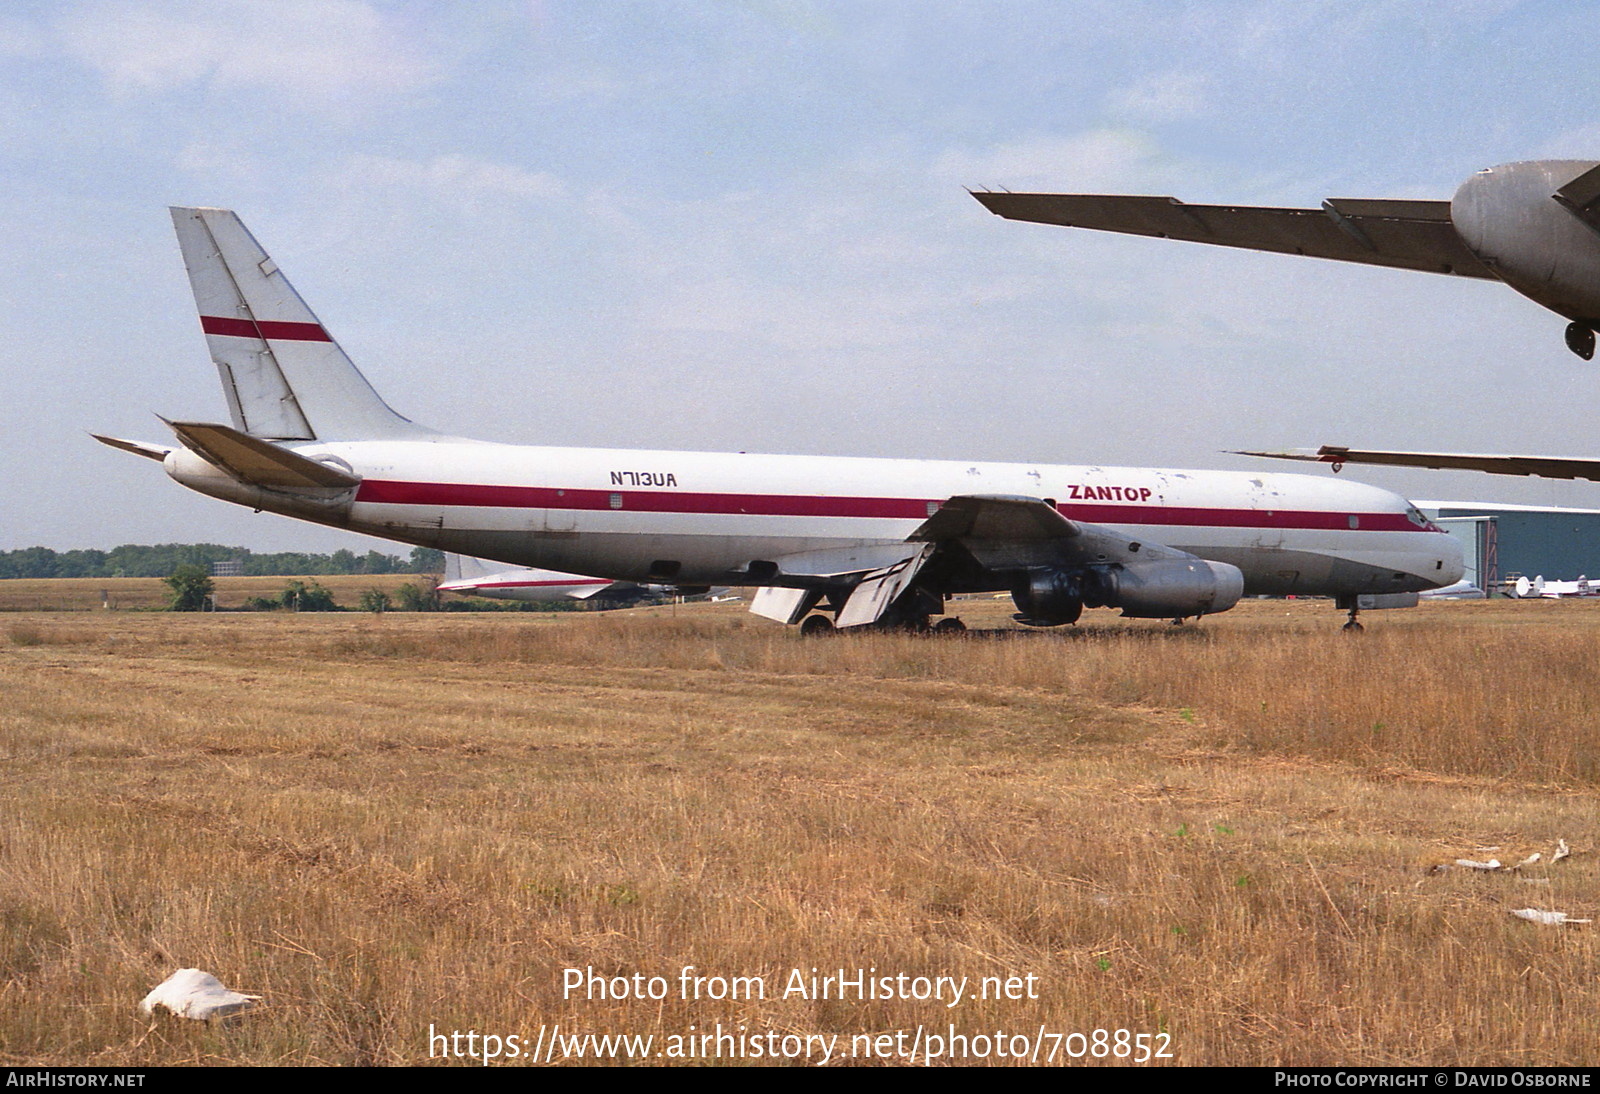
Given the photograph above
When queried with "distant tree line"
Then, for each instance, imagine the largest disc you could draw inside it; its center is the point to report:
(164, 559)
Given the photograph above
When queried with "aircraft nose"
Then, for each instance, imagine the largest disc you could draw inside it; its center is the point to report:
(1450, 561)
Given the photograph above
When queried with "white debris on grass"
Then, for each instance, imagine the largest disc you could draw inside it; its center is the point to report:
(1549, 919)
(191, 993)
(1494, 864)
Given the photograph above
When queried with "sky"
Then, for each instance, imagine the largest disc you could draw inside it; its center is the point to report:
(745, 226)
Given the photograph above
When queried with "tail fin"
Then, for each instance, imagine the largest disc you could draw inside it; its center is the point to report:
(460, 568)
(283, 374)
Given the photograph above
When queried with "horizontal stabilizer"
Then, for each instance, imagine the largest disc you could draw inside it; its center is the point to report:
(1549, 467)
(1410, 235)
(138, 448)
(260, 463)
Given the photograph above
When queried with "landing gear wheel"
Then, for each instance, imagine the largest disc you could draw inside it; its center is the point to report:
(1351, 626)
(815, 625)
(949, 626)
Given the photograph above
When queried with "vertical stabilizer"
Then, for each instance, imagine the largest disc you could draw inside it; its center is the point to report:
(466, 568)
(284, 376)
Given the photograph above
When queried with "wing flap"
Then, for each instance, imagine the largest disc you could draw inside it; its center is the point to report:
(784, 605)
(880, 588)
(258, 462)
(1411, 235)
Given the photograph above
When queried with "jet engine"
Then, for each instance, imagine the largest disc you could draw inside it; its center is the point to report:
(1535, 224)
(1168, 589)
(1172, 589)
(1049, 598)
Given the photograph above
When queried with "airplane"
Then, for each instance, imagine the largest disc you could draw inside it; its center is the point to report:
(1540, 589)
(1461, 590)
(475, 577)
(1534, 225)
(870, 542)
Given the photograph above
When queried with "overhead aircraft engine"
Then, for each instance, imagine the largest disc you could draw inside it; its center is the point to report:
(1170, 589)
(1537, 226)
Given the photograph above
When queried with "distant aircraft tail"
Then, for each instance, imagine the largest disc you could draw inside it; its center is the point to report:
(284, 376)
(466, 568)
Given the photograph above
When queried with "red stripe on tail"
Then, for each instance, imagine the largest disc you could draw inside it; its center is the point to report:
(266, 329)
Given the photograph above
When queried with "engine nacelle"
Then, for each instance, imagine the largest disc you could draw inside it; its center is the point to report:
(1172, 589)
(1511, 218)
(1049, 598)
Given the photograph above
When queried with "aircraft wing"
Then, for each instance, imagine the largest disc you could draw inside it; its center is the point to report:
(1410, 235)
(993, 532)
(1009, 532)
(614, 591)
(1549, 467)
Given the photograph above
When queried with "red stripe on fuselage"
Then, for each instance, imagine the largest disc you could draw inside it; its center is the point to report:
(799, 505)
(265, 329)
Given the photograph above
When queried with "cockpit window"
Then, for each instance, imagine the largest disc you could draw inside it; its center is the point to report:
(1417, 517)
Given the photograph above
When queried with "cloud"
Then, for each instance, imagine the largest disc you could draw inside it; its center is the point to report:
(1164, 98)
(459, 180)
(312, 52)
(1094, 160)
(224, 160)
(21, 38)
(1579, 143)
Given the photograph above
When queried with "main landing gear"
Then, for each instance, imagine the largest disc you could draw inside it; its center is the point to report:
(1351, 625)
(815, 626)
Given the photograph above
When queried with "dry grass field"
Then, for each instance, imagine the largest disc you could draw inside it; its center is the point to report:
(152, 593)
(387, 825)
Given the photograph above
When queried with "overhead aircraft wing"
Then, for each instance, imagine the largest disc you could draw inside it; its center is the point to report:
(1410, 235)
(1549, 467)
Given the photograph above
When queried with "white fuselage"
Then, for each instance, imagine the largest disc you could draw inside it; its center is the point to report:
(715, 518)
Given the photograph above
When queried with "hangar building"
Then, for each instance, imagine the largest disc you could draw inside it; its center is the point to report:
(1503, 541)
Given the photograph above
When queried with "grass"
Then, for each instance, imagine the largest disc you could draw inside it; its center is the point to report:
(153, 593)
(391, 824)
